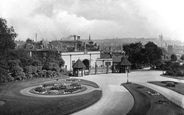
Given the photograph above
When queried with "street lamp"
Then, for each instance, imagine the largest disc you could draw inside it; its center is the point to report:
(127, 69)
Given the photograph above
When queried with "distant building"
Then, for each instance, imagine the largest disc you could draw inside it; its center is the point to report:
(70, 49)
(178, 50)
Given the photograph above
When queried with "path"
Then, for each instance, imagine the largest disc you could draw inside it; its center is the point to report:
(116, 99)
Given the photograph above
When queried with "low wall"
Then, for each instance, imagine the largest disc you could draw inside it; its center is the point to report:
(173, 96)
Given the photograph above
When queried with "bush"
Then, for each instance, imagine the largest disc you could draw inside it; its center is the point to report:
(58, 87)
(30, 69)
(49, 73)
(42, 73)
(3, 78)
(29, 76)
(76, 85)
(34, 69)
(170, 84)
(9, 78)
(39, 68)
(39, 89)
(48, 84)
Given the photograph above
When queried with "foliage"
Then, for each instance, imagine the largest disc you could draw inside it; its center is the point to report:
(58, 87)
(48, 84)
(153, 54)
(182, 57)
(140, 55)
(173, 57)
(174, 68)
(170, 84)
(7, 37)
(17, 72)
(39, 89)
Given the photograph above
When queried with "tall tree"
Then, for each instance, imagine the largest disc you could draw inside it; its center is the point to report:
(7, 37)
(153, 54)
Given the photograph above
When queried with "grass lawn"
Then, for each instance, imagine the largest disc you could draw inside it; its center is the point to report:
(147, 104)
(179, 87)
(174, 77)
(90, 83)
(18, 104)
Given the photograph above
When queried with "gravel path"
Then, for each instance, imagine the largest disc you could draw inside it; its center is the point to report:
(116, 100)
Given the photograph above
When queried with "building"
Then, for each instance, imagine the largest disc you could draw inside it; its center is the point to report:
(178, 50)
(87, 57)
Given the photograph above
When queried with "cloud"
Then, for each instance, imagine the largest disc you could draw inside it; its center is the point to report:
(55, 19)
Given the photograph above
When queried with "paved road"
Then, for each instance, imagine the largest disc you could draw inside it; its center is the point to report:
(116, 99)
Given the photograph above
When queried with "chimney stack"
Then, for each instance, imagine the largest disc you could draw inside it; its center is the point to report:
(78, 37)
(74, 36)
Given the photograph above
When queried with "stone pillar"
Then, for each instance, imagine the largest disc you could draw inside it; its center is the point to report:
(30, 53)
(70, 62)
(90, 65)
(95, 68)
(107, 69)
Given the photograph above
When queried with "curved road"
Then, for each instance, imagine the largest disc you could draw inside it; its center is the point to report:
(116, 99)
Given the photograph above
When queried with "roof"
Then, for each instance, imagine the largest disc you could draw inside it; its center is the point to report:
(125, 62)
(117, 58)
(78, 64)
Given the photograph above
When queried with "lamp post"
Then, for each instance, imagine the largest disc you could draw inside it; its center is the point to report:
(70, 62)
(127, 68)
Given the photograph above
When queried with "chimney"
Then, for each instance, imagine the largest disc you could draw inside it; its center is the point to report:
(110, 48)
(78, 37)
(85, 50)
(35, 37)
(74, 36)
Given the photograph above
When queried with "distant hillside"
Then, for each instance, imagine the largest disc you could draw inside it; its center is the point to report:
(104, 43)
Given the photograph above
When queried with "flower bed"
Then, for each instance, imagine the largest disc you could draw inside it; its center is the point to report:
(58, 89)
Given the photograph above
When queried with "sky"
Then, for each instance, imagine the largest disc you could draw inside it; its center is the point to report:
(101, 19)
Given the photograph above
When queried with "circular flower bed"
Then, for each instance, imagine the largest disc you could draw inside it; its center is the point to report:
(58, 89)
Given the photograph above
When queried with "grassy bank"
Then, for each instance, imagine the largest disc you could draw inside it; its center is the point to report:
(177, 88)
(147, 104)
(18, 104)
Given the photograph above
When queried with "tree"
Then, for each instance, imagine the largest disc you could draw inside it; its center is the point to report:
(7, 37)
(173, 57)
(153, 54)
(135, 54)
(182, 57)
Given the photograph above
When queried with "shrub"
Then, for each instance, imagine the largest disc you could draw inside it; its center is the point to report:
(49, 73)
(9, 78)
(39, 89)
(170, 84)
(48, 84)
(28, 76)
(76, 85)
(39, 68)
(58, 87)
(30, 69)
(34, 69)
